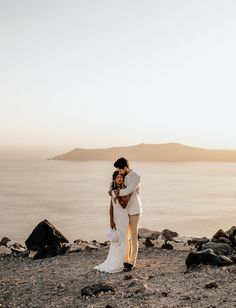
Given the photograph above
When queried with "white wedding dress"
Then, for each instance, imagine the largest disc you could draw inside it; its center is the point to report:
(115, 259)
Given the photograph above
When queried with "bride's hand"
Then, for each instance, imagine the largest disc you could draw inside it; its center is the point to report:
(113, 225)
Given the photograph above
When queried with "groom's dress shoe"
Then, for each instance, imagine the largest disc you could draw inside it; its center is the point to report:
(126, 264)
(128, 267)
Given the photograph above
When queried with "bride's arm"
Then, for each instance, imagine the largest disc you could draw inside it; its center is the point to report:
(112, 224)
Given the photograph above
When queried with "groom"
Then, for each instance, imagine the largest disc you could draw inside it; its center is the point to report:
(134, 208)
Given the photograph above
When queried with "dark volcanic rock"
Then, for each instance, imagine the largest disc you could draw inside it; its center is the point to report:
(15, 248)
(95, 289)
(232, 235)
(197, 241)
(228, 237)
(148, 243)
(211, 285)
(106, 243)
(46, 240)
(234, 240)
(218, 248)
(4, 241)
(233, 258)
(220, 233)
(167, 246)
(79, 241)
(207, 257)
(128, 277)
(164, 294)
(224, 240)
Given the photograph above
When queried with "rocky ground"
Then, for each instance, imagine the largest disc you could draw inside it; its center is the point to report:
(159, 280)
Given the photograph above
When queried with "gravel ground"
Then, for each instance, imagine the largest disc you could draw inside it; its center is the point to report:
(159, 280)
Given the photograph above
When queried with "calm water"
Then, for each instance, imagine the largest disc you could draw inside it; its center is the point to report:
(191, 198)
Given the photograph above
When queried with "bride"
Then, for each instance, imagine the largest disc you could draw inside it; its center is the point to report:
(119, 220)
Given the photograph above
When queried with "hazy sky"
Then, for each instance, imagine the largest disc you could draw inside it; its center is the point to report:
(104, 73)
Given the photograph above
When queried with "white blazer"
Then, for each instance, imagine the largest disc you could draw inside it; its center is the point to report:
(132, 183)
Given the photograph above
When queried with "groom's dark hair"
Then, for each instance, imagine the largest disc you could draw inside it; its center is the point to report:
(121, 163)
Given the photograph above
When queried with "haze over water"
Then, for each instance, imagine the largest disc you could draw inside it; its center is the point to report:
(194, 199)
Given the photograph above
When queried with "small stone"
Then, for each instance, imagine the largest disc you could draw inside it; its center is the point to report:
(106, 243)
(164, 294)
(61, 286)
(148, 243)
(145, 286)
(211, 285)
(132, 284)
(128, 277)
(96, 289)
(90, 247)
(167, 246)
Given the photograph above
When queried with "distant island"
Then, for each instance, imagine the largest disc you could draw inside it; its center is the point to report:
(166, 152)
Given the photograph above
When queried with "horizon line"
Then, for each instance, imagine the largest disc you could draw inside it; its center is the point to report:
(51, 147)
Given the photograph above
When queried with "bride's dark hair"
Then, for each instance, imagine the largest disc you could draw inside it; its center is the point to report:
(113, 184)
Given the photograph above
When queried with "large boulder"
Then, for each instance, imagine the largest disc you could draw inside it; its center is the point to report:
(218, 248)
(46, 240)
(207, 257)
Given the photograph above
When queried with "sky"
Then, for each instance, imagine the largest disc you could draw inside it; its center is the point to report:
(101, 73)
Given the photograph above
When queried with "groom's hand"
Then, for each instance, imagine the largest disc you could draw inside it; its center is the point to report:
(116, 192)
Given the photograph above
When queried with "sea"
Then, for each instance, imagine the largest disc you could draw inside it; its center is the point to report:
(191, 198)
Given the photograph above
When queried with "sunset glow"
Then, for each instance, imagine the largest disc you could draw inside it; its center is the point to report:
(115, 73)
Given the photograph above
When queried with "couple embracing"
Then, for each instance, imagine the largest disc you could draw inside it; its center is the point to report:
(125, 213)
